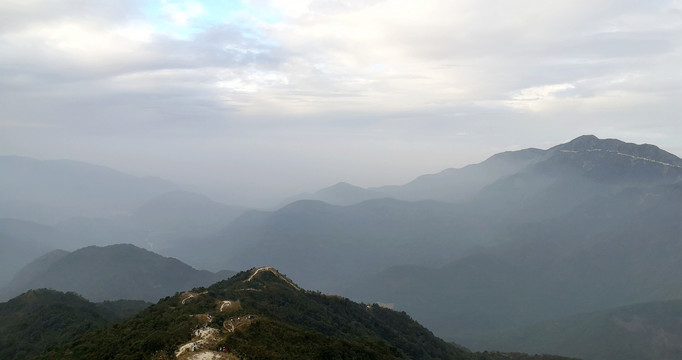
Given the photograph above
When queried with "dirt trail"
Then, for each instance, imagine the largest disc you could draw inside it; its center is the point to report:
(276, 273)
(226, 303)
(189, 295)
(201, 345)
(205, 339)
(235, 323)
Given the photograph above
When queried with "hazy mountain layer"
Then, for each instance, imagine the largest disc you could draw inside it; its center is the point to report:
(326, 245)
(455, 185)
(342, 193)
(648, 331)
(611, 251)
(158, 224)
(21, 242)
(572, 173)
(54, 190)
(110, 273)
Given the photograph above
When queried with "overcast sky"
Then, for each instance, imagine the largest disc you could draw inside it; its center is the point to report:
(269, 98)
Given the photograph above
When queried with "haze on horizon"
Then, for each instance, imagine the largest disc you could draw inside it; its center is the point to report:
(268, 98)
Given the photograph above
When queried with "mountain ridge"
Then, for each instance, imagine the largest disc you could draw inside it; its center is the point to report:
(643, 331)
(261, 314)
(113, 272)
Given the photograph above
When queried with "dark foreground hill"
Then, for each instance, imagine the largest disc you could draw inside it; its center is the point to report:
(112, 272)
(40, 319)
(647, 331)
(261, 314)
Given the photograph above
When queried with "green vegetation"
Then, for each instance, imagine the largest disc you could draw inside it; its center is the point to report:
(273, 320)
(40, 319)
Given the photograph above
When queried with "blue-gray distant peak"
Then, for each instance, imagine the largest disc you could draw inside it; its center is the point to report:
(634, 151)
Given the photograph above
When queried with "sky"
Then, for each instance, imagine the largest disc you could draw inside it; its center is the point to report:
(253, 100)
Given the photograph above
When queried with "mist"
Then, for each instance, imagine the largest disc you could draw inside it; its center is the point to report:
(227, 97)
(491, 168)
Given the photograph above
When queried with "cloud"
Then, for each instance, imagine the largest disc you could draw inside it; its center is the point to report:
(391, 74)
(181, 14)
(535, 98)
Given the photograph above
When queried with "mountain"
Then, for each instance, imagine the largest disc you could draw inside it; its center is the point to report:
(456, 185)
(38, 320)
(36, 268)
(262, 314)
(109, 273)
(329, 247)
(614, 250)
(449, 185)
(162, 224)
(646, 331)
(572, 173)
(184, 212)
(326, 246)
(22, 241)
(342, 193)
(533, 179)
(586, 225)
(48, 191)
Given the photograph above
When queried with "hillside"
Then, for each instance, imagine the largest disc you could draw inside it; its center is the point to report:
(449, 185)
(646, 331)
(110, 273)
(343, 243)
(40, 319)
(342, 193)
(570, 174)
(261, 314)
(611, 251)
(457, 185)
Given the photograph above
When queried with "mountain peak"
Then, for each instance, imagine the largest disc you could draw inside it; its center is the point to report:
(636, 152)
(344, 185)
(258, 272)
(589, 142)
(120, 271)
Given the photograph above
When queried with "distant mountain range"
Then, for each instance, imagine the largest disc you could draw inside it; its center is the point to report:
(581, 226)
(586, 158)
(327, 245)
(613, 250)
(158, 224)
(521, 238)
(110, 273)
(449, 185)
(646, 331)
(64, 204)
(48, 191)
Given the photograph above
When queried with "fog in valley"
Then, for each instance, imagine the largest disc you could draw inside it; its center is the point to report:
(505, 172)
